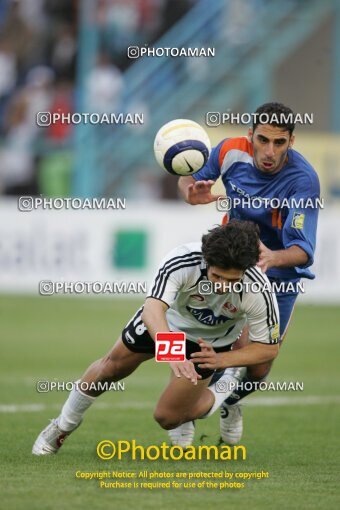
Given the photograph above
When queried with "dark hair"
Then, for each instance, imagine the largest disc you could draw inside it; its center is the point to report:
(232, 246)
(285, 116)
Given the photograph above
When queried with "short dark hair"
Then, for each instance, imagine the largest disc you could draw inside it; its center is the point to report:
(232, 246)
(278, 110)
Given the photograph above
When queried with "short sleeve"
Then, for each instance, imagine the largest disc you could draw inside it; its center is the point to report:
(301, 223)
(211, 169)
(261, 309)
(176, 270)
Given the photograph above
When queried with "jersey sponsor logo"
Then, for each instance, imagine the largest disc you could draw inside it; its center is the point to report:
(298, 220)
(170, 346)
(266, 201)
(207, 317)
(230, 307)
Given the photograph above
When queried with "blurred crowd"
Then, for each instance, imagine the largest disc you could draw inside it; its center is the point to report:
(38, 58)
(37, 68)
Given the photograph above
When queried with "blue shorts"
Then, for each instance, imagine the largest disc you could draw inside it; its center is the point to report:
(286, 302)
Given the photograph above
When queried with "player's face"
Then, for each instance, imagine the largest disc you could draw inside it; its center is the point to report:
(223, 277)
(270, 144)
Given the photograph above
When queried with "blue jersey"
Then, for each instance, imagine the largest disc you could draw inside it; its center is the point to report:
(280, 226)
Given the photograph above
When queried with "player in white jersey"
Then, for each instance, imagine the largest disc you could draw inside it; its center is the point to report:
(217, 316)
(192, 292)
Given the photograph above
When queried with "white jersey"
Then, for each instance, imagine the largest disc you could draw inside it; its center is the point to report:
(217, 318)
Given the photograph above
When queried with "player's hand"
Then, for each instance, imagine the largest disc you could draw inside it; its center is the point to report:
(207, 358)
(185, 369)
(267, 258)
(200, 193)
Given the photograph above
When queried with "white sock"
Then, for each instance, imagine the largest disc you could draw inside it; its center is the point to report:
(74, 409)
(223, 388)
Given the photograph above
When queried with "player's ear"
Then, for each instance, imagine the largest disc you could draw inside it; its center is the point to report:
(291, 141)
(250, 134)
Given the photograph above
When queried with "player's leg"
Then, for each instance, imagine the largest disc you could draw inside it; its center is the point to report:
(168, 412)
(231, 422)
(117, 364)
(134, 347)
(258, 373)
(182, 402)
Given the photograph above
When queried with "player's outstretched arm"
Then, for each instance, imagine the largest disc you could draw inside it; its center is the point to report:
(154, 316)
(196, 192)
(252, 354)
(290, 257)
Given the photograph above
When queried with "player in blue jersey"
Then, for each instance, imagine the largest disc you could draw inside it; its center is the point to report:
(258, 171)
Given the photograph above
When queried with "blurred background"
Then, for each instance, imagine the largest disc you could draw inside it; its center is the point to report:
(71, 56)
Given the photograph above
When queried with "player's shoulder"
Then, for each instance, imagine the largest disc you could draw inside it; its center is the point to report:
(238, 143)
(258, 293)
(185, 262)
(256, 286)
(254, 274)
(305, 173)
(233, 150)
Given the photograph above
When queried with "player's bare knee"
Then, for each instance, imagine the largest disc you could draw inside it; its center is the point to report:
(166, 419)
(259, 372)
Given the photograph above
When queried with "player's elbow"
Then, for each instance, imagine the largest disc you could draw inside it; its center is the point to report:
(305, 259)
(273, 352)
(303, 256)
(267, 352)
(146, 319)
(148, 309)
(153, 309)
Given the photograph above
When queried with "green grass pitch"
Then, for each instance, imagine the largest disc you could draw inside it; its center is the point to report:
(55, 338)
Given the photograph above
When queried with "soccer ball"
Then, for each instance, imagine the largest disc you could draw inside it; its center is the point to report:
(182, 147)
